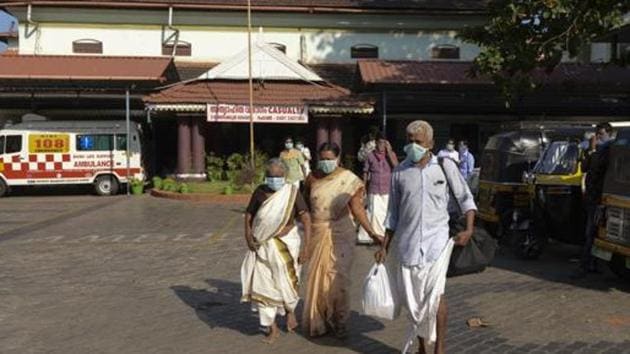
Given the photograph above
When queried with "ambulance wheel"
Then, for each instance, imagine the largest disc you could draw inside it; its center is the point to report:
(106, 185)
(4, 189)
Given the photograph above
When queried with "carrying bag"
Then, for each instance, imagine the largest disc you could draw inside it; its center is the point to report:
(478, 252)
(378, 299)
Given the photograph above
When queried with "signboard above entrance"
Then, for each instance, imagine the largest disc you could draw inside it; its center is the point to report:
(239, 113)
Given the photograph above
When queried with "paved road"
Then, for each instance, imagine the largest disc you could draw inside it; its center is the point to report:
(84, 274)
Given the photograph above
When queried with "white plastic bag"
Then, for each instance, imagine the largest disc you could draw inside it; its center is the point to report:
(378, 300)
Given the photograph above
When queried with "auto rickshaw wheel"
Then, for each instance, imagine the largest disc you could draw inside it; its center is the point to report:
(618, 266)
(526, 244)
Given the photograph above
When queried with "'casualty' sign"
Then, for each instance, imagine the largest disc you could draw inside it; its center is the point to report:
(238, 113)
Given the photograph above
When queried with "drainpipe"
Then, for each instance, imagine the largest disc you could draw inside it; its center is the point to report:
(302, 47)
(30, 22)
(175, 30)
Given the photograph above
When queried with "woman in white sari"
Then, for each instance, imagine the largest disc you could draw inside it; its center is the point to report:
(270, 271)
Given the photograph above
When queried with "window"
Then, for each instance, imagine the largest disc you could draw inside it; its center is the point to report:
(445, 51)
(363, 51)
(184, 49)
(121, 142)
(279, 46)
(94, 142)
(2, 144)
(87, 46)
(13, 144)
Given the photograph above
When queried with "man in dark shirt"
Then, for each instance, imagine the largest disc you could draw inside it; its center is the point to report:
(594, 165)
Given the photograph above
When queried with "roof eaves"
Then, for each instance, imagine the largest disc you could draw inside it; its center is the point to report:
(262, 8)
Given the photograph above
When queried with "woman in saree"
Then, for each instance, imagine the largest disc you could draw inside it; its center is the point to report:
(271, 269)
(335, 196)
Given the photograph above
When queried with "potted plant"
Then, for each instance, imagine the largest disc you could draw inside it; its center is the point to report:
(137, 186)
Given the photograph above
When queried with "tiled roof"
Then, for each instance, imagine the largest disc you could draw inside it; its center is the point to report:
(344, 75)
(237, 92)
(85, 68)
(431, 73)
(191, 70)
(282, 5)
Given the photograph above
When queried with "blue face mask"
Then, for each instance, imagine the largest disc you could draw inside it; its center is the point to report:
(275, 183)
(415, 152)
(327, 166)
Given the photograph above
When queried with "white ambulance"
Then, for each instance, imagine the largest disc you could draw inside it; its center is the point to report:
(69, 152)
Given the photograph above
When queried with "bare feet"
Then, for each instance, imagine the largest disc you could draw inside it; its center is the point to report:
(273, 335)
(291, 322)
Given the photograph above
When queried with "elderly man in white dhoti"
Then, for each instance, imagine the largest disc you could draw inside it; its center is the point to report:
(417, 224)
(271, 269)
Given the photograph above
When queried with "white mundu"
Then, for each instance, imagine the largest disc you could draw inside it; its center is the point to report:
(270, 276)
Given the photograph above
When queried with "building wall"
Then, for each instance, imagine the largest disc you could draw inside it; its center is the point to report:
(215, 35)
(218, 44)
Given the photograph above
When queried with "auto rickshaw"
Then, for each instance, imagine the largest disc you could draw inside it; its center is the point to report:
(502, 193)
(613, 240)
(557, 193)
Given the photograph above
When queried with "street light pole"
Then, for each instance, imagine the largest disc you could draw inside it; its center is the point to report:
(251, 83)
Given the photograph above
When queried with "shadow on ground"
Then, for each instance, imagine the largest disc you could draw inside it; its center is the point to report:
(557, 264)
(219, 306)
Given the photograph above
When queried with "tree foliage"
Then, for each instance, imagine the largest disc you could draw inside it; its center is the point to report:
(523, 36)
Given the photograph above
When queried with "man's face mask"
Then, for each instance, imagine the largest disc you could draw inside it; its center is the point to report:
(299, 146)
(274, 183)
(450, 147)
(327, 166)
(288, 145)
(415, 152)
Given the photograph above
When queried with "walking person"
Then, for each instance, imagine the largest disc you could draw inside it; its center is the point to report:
(294, 160)
(449, 151)
(334, 194)
(595, 164)
(417, 227)
(271, 269)
(377, 172)
(466, 161)
(306, 152)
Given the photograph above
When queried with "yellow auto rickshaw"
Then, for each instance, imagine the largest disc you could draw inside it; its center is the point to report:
(613, 240)
(503, 196)
(557, 193)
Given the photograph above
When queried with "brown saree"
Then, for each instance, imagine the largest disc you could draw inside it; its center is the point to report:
(331, 248)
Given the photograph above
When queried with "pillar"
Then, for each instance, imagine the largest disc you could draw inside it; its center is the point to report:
(323, 135)
(184, 164)
(335, 132)
(198, 147)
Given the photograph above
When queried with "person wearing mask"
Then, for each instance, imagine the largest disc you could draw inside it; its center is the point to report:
(271, 268)
(377, 172)
(299, 145)
(449, 151)
(466, 161)
(294, 160)
(335, 197)
(417, 227)
(594, 164)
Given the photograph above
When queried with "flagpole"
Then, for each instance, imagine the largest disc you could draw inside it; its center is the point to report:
(251, 83)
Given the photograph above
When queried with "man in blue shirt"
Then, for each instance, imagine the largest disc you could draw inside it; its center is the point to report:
(417, 224)
(466, 160)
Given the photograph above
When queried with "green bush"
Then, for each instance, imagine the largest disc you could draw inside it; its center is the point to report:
(157, 182)
(136, 182)
(214, 167)
(169, 185)
(183, 188)
(235, 163)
